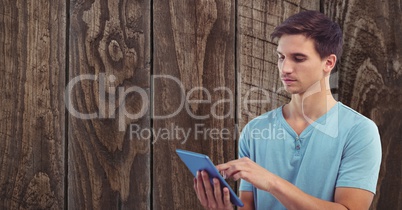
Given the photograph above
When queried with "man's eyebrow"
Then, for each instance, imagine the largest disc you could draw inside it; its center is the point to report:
(299, 54)
(294, 54)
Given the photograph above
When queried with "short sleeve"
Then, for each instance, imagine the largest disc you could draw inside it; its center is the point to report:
(361, 158)
(244, 151)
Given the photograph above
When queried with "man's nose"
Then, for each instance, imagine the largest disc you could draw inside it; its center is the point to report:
(286, 66)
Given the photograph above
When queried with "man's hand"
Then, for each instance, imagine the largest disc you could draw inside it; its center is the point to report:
(248, 170)
(211, 197)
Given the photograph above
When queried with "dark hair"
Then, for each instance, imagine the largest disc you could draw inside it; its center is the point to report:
(327, 35)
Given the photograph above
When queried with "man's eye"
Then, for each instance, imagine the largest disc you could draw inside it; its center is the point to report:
(299, 59)
(281, 58)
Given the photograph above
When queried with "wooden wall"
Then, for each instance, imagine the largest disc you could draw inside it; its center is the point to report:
(32, 113)
(194, 42)
(107, 168)
(370, 80)
(88, 89)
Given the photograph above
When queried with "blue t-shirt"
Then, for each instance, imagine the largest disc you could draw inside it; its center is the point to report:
(340, 149)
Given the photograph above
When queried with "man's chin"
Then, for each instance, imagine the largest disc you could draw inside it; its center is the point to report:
(292, 91)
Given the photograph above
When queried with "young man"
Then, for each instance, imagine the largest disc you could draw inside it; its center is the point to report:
(324, 154)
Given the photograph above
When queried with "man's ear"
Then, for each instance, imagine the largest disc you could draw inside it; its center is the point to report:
(330, 62)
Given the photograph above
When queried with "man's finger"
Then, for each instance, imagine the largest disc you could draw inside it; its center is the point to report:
(218, 193)
(208, 190)
(225, 166)
(239, 175)
(226, 197)
(201, 191)
(234, 169)
(195, 188)
(222, 167)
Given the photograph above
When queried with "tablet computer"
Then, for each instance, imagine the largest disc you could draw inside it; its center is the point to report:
(199, 162)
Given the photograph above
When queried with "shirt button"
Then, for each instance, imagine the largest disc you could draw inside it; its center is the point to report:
(297, 147)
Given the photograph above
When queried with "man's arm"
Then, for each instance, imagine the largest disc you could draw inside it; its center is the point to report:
(288, 194)
(345, 198)
(344, 195)
(248, 200)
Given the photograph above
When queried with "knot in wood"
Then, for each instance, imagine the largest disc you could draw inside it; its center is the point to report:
(115, 51)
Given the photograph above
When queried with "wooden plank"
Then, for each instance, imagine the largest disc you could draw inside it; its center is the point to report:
(109, 168)
(260, 89)
(194, 46)
(32, 66)
(370, 80)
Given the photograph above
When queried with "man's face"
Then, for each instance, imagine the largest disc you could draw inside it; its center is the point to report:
(300, 65)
